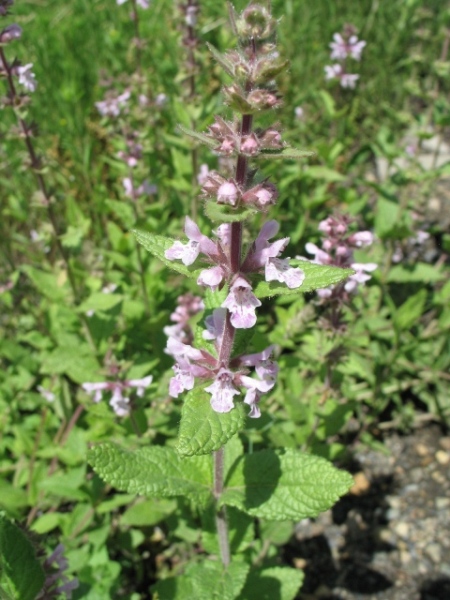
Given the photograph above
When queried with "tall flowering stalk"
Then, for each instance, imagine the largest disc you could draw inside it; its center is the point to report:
(220, 378)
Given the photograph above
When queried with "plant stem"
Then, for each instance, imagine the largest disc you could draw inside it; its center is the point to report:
(36, 166)
(221, 520)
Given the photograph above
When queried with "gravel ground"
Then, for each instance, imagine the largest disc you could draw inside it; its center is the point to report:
(390, 538)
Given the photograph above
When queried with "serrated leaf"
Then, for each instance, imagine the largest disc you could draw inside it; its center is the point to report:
(196, 135)
(224, 213)
(207, 580)
(284, 485)
(22, 572)
(157, 245)
(287, 152)
(281, 583)
(202, 429)
(156, 471)
(316, 277)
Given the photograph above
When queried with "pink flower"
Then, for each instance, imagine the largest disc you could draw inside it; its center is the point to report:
(97, 388)
(211, 277)
(140, 384)
(228, 193)
(261, 250)
(202, 175)
(360, 277)
(183, 380)
(255, 388)
(215, 324)
(198, 242)
(342, 48)
(279, 269)
(222, 391)
(320, 256)
(27, 78)
(241, 302)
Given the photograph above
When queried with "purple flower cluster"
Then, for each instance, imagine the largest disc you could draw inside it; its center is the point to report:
(240, 303)
(119, 402)
(337, 249)
(192, 363)
(55, 566)
(344, 46)
(225, 266)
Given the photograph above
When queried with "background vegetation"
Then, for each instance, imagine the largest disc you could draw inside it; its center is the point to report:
(96, 305)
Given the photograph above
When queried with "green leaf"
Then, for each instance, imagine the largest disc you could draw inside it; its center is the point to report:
(387, 217)
(287, 152)
(281, 583)
(202, 429)
(324, 174)
(417, 273)
(156, 471)
(284, 485)
(206, 580)
(46, 283)
(224, 213)
(100, 301)
(148, 512)
(410, 311)
(157, 245)
(22, 574)
(316, 277)
(201, 137)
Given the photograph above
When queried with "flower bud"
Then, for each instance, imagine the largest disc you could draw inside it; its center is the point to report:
(12, 32)
(4, 5)
(255, 22)
(237, 99)
(268, 68)
(227, 147)
(228, 193)
(261, 196)
(271, 139)
(212, 183)
(262, 100)
(250, 145)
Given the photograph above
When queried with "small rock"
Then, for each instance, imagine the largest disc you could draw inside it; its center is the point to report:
(422, 450)
(442, 457)
(405, 557)
(444, 443)
(402, 529)
(438, 477)
(442, 503)
(300, 563)
(434, 552)
(361, 485)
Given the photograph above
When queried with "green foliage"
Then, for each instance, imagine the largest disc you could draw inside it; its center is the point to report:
(21, 574)
(387, 364)
(203, 430)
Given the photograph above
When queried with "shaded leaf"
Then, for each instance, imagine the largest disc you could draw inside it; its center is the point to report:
(284, 485)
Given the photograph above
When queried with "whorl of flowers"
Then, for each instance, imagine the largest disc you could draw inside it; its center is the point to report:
(338, 245)
(344, 46)
(224, 265)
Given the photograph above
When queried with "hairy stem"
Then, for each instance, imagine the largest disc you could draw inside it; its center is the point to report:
(221, 519)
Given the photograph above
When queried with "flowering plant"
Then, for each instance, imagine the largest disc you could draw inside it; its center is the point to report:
(216, 373)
